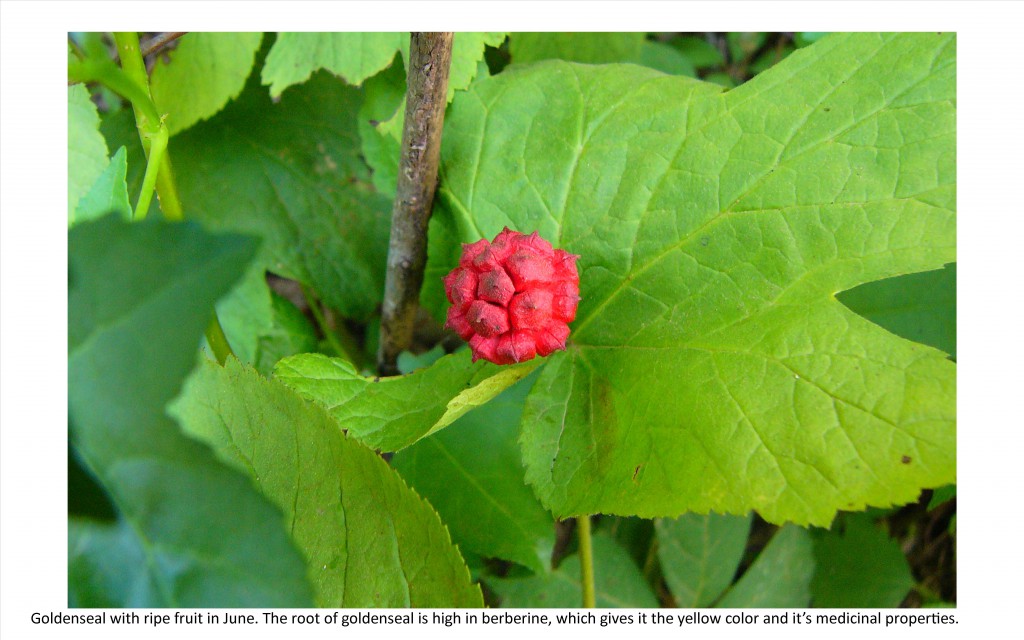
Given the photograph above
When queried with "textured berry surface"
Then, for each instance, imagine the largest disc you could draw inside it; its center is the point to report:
(513, 298)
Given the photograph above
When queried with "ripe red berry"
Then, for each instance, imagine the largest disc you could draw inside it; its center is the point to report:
(513, 298)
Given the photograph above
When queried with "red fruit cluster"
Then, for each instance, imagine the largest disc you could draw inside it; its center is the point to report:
(513, 298)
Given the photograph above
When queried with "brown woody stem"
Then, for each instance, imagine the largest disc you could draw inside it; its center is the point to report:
(429, 59)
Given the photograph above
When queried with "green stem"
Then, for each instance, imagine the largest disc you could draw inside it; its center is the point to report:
(132, 82)
(158, 145)
(586, 562)
(217, 340)
(152, 131)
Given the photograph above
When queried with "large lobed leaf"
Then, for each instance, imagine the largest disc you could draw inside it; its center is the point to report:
(368, 540)
(191, 532)
(711, 366)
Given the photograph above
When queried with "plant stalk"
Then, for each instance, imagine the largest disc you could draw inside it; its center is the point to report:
(586, 562)
(426, 97)
(154, 136)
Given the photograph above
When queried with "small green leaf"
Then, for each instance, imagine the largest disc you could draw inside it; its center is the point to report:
(368, 540)
(473, 474)
(87, 150)
(385, 99)
(392, 413)
(290, 333)
(467, 51)
(108, 193)
(617, 582)
(859, 565)
(139, 297)
(699, 555)
(941, 495)
(353, 56)
(918, 306)
(205, 71)
(590, 48)
(779, 577)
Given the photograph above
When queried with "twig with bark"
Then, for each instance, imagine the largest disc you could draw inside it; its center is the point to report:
(426, 97)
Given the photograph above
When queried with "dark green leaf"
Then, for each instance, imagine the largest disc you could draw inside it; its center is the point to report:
(780, 576)
(666, 58)
(859, 565)
(918, 306)
(473, 474)
(699, 555)
(942, 494)
(701, 53)
(139, 297)
(590, 48)
(291, 172)
(617, 582)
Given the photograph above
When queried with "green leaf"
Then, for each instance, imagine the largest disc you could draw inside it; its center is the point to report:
(780, 576)
(710, 366)
(353, 56)
(108, 193)
(382, 116)
(261, 326)
(108, 567)
(391, 413)
(290, 333)
(246, 313)
(919, 306)
(473, 474)
(743, 44)
(807, 38)
(87, 150)
(666, 58)
(701, 53)
(206, 70)
(942, 494)
(590, 48)
(291, 172)
(859, 565)
(617, 583)
(368, 540)
(467, 51)
(382, 148)
(699, 555)
(139, 297)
